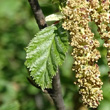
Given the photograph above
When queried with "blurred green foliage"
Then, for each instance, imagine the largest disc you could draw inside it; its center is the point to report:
(17, 28)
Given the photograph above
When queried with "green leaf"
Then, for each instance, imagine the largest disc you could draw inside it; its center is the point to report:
(45, 53)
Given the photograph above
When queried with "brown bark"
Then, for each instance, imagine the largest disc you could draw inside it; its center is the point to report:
(39, 16)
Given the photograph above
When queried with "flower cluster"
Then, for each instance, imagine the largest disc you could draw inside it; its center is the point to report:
(77, 16)
(101, 16)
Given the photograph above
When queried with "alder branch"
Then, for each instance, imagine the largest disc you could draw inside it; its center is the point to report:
(39, 16)
(55, 92)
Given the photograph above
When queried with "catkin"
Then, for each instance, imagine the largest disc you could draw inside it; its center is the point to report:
(101, 16)
(76, 19)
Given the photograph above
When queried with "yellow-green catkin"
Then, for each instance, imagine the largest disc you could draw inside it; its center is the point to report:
(101, 16)
(85, 54)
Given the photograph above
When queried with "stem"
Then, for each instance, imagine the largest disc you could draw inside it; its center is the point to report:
(55, 92)
(39, 16)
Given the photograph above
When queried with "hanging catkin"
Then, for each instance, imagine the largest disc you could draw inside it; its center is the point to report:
(77, 16)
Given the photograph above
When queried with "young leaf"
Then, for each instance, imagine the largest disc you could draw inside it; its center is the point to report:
(44, 53)
(54, 17)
